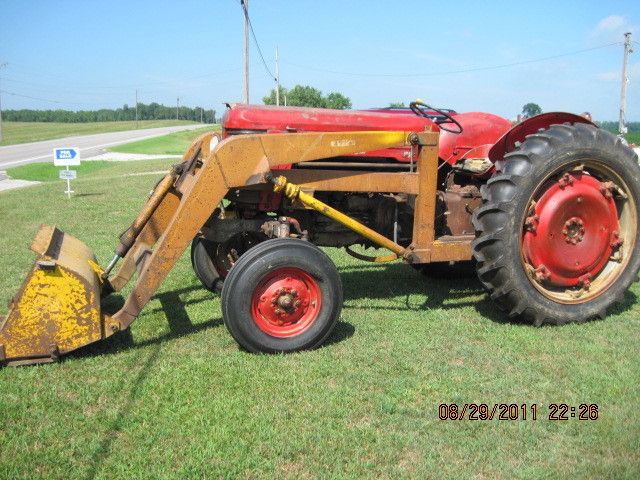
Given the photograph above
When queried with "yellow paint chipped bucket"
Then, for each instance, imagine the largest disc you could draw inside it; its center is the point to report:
(58, 306)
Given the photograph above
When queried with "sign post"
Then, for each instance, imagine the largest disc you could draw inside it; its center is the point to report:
(66, 157)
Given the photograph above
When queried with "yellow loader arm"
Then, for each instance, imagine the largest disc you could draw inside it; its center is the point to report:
(57, 309)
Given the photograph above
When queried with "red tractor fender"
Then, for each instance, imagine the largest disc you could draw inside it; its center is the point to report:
(480, 132)
(519, 132)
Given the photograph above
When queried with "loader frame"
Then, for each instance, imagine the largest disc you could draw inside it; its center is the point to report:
(247, 161)
(185, 198)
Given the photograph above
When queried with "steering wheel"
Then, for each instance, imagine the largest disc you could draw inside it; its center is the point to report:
(421, 109)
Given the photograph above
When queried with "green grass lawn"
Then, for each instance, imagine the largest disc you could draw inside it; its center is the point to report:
(174, 397)
(46, 172)
(171, 144)
(24, 132)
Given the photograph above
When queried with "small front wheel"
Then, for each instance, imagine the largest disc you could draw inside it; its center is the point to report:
(282, 295)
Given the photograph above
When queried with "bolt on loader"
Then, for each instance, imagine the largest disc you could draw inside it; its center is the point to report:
(546, 209)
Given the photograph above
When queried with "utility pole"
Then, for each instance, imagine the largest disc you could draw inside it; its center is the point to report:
(136, 108)
(245, 8)
(2, 65)
(177, 106)
(277, 78)
(622, 129)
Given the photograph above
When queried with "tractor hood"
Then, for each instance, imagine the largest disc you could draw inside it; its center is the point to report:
(242, 118)
(481, 130)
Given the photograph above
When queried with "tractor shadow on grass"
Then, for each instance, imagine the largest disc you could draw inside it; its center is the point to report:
(366, 287)
(180, 324)
(178, 319)
(373, 287)
(370, 287)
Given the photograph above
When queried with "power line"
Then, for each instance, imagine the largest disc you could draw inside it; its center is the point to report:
(450, 72)
(255, 40)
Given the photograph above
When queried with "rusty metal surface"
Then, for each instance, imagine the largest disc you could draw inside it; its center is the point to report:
(361, 165)
(425, 204)
(128, 238)
(235, 162)
(58, 306)
(460, 202)
(353, 180)
(451, 249)
(293, 192)
(147, 238)
(157, 212)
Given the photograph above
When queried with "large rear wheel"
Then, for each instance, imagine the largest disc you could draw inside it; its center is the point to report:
(282, 295)
(557, 231)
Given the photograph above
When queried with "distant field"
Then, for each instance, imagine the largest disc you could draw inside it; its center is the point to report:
(24, 132)
(171, 144)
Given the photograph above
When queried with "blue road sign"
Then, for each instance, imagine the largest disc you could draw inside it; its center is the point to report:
(66, 156)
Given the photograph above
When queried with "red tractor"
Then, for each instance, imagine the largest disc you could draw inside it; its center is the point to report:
(548, 205)
(547, 208)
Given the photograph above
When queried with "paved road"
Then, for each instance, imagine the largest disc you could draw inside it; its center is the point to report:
(89, 145)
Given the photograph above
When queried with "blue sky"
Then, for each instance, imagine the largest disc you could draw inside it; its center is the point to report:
(90, 54)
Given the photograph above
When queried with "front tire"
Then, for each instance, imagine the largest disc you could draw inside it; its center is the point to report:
(203, 252)
(211, 261)
(283, 295)
(556, 238)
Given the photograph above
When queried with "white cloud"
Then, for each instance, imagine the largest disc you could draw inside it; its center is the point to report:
(611, 28)
(612, 22)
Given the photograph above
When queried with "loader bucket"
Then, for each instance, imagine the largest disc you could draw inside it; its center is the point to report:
(58, 306)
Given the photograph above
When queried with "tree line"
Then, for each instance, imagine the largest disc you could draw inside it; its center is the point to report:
(151, 111)
(306, 96)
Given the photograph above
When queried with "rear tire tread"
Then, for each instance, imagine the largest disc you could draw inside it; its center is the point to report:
(498, 263)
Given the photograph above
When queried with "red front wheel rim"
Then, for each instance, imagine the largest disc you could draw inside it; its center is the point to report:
(286, 302)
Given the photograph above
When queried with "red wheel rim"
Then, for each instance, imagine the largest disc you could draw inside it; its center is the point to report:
(572, 232)
(286, 302)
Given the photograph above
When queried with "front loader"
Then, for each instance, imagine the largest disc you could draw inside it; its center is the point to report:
(57, 309)
(555, 238)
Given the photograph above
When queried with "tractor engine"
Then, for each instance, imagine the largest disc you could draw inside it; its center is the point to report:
(390, 214)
